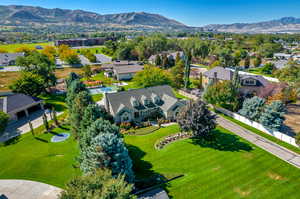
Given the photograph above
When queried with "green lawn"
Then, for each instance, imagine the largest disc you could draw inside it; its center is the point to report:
(269, 137)
(229, 168)
(97, 97)
(39, 159)
(13, 47)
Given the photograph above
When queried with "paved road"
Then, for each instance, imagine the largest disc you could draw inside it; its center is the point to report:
(277, 150)
(18, 189)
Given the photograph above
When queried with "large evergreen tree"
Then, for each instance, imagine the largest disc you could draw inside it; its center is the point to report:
(273, 115)
(177, 74)
(79, 105)
(252, 108)
(104, 148)
(73, 89)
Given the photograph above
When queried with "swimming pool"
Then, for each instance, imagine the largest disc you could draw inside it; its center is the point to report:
(95, 91)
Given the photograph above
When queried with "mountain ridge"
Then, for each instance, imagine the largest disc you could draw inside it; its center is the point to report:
(282, 25)
(15, 14)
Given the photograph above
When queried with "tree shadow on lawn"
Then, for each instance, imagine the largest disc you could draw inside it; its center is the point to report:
(145, 176)
(223, 142)
(41, 140)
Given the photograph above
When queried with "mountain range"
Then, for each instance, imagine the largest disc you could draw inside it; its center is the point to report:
(29, 18)
(23, 16)
(283, 25)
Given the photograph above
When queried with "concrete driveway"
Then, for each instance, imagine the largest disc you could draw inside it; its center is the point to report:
(24, 189)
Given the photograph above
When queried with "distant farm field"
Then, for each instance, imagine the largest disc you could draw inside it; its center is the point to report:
(13, 47)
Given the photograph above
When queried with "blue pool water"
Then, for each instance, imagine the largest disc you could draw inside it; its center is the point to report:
(60, 137)
(94, 91)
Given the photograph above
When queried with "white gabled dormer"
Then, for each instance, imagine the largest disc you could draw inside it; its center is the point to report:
(156, 99)
(146, 101)
(134, 102)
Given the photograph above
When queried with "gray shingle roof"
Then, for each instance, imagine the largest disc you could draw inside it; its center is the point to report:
(103, 58)
(259, 78)
(128, 69)
(124, 99)
(17, 101)
(222, 73)
(174, 54)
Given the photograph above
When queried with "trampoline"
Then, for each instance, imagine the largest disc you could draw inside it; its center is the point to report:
(60, 137)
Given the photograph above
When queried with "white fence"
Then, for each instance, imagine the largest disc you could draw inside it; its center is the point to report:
(277, 134)
(271, 79)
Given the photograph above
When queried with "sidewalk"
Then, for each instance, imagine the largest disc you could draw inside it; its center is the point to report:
(271, 147)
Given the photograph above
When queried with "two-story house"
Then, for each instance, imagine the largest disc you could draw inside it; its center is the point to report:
(141, 104)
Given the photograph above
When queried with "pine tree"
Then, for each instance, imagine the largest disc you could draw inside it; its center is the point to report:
(178, 58)
(104, 148)
(31, 128)
(236, 81)
(80, 102)
(187, 71)
(252, 108)
(158, 61)
(45, 121)
(54, 116)
(273, 115)
(74, 88)
(90, 115)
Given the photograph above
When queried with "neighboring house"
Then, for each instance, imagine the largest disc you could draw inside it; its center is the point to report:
(217, 74)
(82, 41)
(280, 63)
(141, 104)
(9, 59)
(124, 70)
(282, 56)
(19, 105)
(250, 84)
(84, 61)
(157, 193)
(103, 58)
(171, 56)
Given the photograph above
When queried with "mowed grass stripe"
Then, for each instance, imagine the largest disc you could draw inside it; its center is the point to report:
(212, 173)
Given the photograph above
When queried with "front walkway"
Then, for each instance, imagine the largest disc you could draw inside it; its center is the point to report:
(271, 147)
(24, 189)
(21, 126)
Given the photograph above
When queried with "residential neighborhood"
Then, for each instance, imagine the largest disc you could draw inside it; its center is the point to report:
(136, 105)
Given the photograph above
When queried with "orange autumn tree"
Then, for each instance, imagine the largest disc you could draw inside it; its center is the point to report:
(286, 96)
(50, 52)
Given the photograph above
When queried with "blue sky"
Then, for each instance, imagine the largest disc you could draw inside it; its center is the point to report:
(190, 12)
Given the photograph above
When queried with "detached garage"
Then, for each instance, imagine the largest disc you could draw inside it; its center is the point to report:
(19, 105)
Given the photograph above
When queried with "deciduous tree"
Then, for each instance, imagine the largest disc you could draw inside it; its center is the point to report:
(98, 185)
(196, 117)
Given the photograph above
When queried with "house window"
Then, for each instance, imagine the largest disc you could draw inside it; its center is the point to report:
(136, 114)
(250, 82)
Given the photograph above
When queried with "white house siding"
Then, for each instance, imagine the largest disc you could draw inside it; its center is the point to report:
(125, 76)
